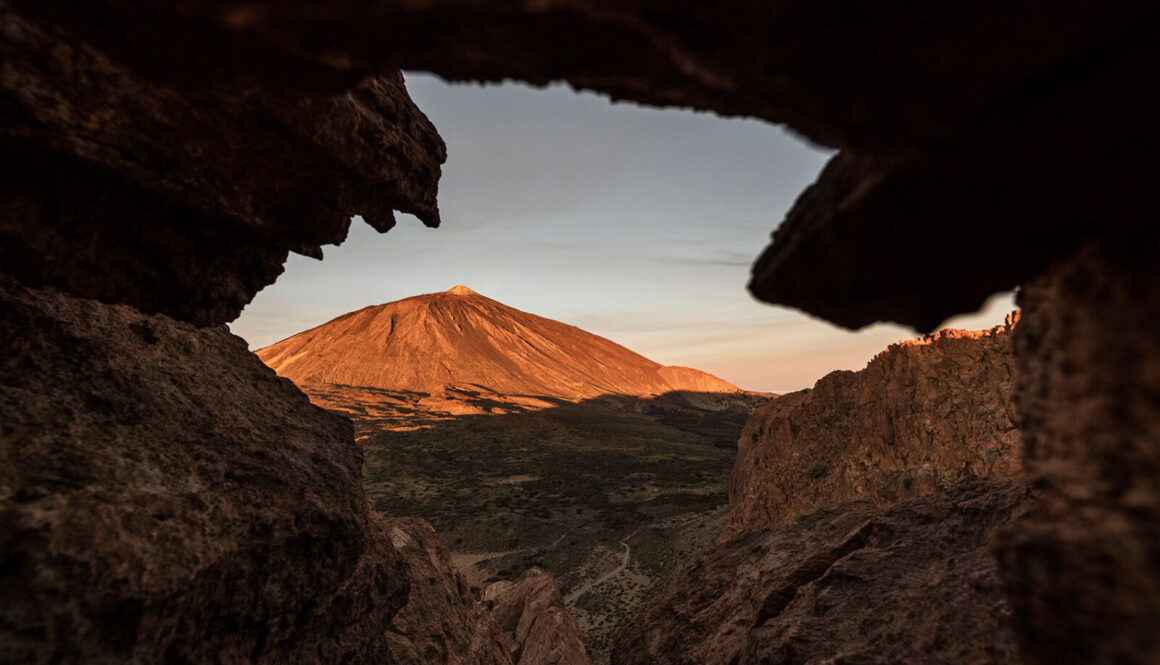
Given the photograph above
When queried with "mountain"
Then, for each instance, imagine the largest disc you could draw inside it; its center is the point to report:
(529, 443)
(460, 338)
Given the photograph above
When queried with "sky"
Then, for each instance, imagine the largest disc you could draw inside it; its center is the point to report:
(637, 224)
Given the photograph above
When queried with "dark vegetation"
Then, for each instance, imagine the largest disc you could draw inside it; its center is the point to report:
(561, 488)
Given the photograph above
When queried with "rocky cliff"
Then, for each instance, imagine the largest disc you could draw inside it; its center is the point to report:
(536, 625)
(441, 621)
(126, 189)
(459, 338)
(151, 516)
(922, 414)
(852, 583)
(925, 440)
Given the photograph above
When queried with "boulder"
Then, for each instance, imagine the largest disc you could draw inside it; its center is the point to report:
(538, 628)
(165, 497)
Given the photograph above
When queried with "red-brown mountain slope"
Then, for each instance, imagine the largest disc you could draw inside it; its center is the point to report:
(459, 337)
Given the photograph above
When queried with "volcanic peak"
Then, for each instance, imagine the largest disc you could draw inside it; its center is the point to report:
(430, 342)
(460, 290)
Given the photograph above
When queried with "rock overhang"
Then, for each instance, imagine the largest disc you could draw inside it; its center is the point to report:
(956, 126)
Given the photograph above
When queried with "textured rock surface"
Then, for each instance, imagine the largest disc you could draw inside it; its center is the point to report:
(130, 191)
(921, 415)
(431, 342)
(980, 144)
(824, 67)
(852, 583)
(441, 622)
(1083, 570)
(974, 131)
(536, 626)
(165, 497)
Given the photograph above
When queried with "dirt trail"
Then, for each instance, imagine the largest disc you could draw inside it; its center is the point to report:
(664, 524)
(571, 598)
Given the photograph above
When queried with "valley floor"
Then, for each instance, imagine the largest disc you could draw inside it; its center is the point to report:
(613, 496)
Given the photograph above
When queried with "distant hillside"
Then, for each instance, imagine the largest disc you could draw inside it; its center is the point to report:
(460, 338)
(922, 415)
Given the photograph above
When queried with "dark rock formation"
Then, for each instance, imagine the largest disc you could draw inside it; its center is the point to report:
(536, 626)
(168, 155)
(149, 514)
(852, 583)
(976, 132)
(128, 191)
(922, 414)
(522, 623)
(441, 622)
(1083, 570)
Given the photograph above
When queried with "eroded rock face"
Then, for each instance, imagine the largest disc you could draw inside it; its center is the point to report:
(978, 134)
(922, 414)
(186, 203)
(441, 622)
(1082, 569)
(166, 498)
(536, 626)
(853, 583)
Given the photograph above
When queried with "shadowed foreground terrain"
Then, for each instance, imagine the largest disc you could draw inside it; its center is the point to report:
(565, 488)
(851, 583)
(862, 512)
(527, 442)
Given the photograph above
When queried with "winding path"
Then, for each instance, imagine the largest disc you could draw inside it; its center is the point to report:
(571, 598)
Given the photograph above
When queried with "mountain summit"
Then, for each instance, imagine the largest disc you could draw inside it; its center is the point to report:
(460, 290)
(430, 342)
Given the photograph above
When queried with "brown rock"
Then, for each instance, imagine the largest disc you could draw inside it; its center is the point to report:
(165, 497)
(847, 74)
(1082, 570)
(441, 622)
(922, 414)
(159, 159)
(977, 134)
(128, 191)
(432, 342)
(537, 627)
(852, 583)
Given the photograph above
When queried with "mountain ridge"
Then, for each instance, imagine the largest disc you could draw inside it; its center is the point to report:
(429, 342)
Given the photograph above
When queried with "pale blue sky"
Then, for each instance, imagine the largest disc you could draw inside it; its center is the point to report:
(635, 224)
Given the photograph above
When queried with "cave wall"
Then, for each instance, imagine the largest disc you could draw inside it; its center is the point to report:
(997, 136)
(1083, 569)
(168, 155)
(186, 202)
(165, 497)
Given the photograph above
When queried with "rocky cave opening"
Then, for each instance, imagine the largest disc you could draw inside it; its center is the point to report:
(166, 497)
